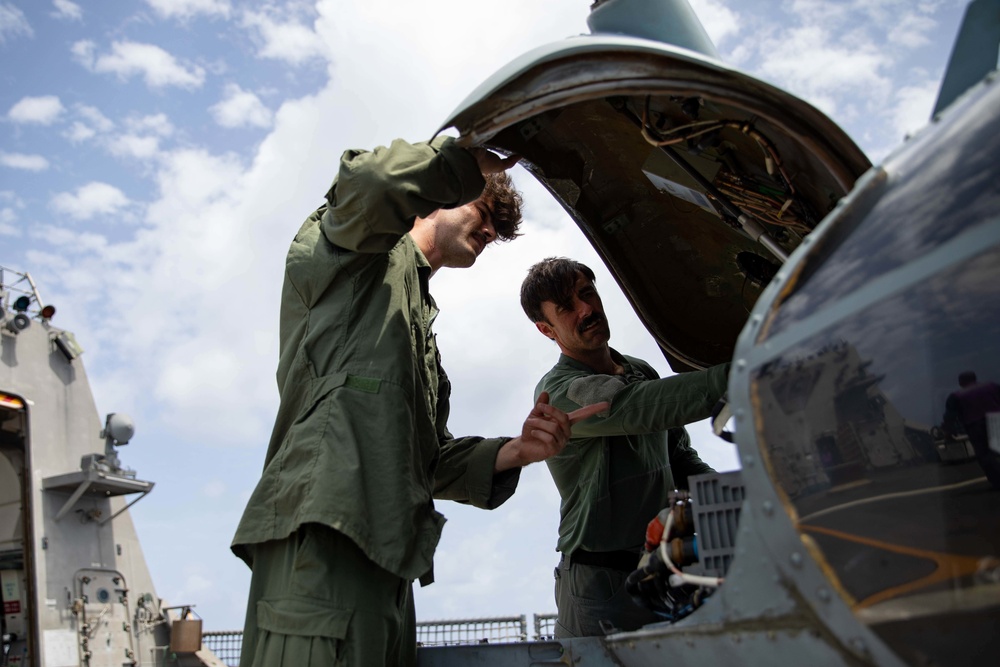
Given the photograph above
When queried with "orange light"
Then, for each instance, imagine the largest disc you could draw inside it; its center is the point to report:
(48, 311)
(11, 402)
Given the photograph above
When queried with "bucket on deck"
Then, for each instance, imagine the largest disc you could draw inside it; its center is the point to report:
(185, 633)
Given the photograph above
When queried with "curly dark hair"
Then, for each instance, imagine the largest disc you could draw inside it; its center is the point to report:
(504, 203)
(551, 279)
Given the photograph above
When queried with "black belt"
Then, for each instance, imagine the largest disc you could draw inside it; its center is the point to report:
(624, 561)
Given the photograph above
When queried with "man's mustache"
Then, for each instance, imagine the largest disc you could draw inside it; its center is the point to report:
(595, 318)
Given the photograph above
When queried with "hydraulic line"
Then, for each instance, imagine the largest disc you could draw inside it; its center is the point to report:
(750, 225)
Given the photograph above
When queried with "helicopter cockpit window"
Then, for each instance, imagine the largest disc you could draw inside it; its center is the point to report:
(882, 434)
(847, 259)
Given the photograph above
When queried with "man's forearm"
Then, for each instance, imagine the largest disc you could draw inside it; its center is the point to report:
(509, 456)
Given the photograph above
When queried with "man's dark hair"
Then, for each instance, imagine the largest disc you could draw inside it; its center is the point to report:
(504, 203)
(965, 378)
(551, 279)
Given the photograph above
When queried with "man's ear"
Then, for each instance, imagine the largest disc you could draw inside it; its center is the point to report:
(546, 330)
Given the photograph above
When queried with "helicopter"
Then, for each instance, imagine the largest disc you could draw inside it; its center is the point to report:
(861, 529)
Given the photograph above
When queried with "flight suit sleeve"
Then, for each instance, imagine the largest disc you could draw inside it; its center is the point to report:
(684, 459)
(465, 473)
(377, 194)
(639, 407)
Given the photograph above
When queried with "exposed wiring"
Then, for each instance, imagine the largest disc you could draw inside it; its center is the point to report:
(664, 556)
(699, 580)
(772, 209)
(769, 208)
(693, 579)
(713, 125)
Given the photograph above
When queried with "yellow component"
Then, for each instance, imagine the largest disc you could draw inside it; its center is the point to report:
(11, 402)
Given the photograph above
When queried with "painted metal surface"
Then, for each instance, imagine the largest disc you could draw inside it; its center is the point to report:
(975, 54)
(85, 596)
(782, 334)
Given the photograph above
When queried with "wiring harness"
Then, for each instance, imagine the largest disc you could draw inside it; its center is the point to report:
(773, 205)
(659, 584)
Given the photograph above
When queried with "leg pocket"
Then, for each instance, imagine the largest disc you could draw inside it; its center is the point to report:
(594, 597)
(293, 631)
(596, 584)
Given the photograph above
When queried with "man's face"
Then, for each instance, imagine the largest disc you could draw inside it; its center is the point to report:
(462, 233)
(578, 325)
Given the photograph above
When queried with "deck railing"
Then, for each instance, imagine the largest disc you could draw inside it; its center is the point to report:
(225, 644)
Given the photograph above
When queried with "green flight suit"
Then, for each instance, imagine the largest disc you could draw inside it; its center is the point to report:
(360, 443)
(615, 475)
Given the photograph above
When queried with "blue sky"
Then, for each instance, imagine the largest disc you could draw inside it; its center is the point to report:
(156, 157)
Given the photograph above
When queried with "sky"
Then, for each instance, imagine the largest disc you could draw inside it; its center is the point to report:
(157, 156)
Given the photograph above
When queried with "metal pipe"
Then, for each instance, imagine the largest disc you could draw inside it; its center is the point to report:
(753, 228)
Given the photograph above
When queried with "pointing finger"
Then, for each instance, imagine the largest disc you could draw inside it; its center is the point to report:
(587, 411)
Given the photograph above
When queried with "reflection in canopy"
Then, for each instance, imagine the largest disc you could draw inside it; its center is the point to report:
(896, 509)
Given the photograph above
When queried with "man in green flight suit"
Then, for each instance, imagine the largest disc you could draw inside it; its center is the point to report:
(615, 474)
(342, 520)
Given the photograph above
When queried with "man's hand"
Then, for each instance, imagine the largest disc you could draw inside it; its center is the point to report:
(491, 163)
(544, 434)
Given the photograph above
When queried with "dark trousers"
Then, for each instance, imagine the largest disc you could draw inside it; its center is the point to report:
(988, 459)
(588, 594)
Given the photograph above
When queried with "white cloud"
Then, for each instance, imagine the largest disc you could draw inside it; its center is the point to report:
(133, 145)
(94, 116)
(78, 132)
(142, 140)
(911, 31)
(241, 108)
(22, 161)
(811, 62)
(848, 58)
(67, 10)
(6, 228)
(13, 23)
(158, 124)
(90, 123)
(897, 22)
(289, 41)
(719, 21)
(43, 110)
(192, 179)
(913, 108)
(84, 52)
(819, 11)
(94, 198)
(185, 9)
(70, 240)
(156, 66)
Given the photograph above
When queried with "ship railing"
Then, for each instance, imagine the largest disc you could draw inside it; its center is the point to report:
(226, 644)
